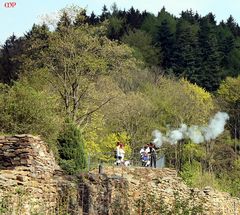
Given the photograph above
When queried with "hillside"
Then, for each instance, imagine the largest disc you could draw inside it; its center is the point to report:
(87, 83)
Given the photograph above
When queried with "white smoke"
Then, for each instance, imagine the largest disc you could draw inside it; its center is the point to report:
(216, 126)
(157, 138)
(197, 134)
(174, 136)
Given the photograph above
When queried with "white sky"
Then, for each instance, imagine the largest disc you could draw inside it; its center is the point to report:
(20, 19)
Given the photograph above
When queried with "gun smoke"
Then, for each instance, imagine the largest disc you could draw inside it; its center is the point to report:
(197, 134)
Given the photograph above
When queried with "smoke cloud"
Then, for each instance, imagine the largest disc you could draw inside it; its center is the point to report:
(197, 134)
(157, 138)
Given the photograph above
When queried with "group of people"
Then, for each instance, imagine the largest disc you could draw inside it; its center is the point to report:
(148, 155)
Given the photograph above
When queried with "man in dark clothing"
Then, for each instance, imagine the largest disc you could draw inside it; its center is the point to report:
(153, 155)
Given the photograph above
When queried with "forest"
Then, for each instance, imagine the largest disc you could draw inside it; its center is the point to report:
(85, 82)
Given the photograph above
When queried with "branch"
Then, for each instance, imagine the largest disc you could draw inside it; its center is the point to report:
(94, 110)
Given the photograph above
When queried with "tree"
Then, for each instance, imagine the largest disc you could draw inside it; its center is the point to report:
(209, 75)
(35, 44)
(64, 22)
(81, 18)
(93, 19)
(25, 110)
(105, 14)
(76, 58)
(232, 25)
(165, 42)
(115, 28)
(71, 149)
(142, 43)
(229, 96)
(10, 64)
(74, 62)
(185, 54)
(189, 16)
(134, 18)
(167, 96)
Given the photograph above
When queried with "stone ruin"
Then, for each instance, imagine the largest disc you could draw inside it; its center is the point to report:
(31, 182)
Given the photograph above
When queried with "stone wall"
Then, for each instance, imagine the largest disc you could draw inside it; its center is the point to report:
(30, 180)
(32, 183)
(152, 191)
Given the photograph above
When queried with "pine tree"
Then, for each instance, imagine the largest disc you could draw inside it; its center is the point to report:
(71, 149)
(64, 21)
(12, 48)
(105, 14)
(81, 18)
(93, 19)
(209, 75)
(232, 25)
(165, 42)
(115, 28)
(185, 56)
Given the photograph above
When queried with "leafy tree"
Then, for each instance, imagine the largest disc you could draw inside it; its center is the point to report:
(25, 110)
(167, 96)
(229, 96)
(71, 149)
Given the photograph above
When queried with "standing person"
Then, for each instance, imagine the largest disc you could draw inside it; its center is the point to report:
(118, 154)
(153, 154)
(144, 152)
(122, 153)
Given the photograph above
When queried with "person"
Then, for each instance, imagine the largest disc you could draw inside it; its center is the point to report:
(118, 155)
(121, 153)
(144, 152)
(153, 155)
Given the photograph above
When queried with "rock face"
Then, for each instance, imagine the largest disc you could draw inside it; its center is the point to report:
(137, 190)
(32, 183)
(30, 180)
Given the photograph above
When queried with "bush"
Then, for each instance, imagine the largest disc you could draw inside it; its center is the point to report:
(71, 149)
(25, 110)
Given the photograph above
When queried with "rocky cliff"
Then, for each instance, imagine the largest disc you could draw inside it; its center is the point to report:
(32, 183)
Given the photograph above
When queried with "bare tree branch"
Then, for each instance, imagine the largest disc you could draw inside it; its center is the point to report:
(94, 110)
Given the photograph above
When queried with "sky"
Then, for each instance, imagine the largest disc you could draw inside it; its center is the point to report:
(20, 18)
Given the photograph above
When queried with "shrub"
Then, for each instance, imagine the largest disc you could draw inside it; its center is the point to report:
(71, 149)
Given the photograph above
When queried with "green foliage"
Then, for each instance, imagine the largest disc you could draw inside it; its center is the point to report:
(109, 90)
(152, 204)
(71, 149)
(229, 98)
(115, 28)
(191, 173)
(25, 110)
(142, 43)
(168, 96)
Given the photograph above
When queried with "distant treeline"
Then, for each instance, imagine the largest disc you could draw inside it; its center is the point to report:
(190, 46)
